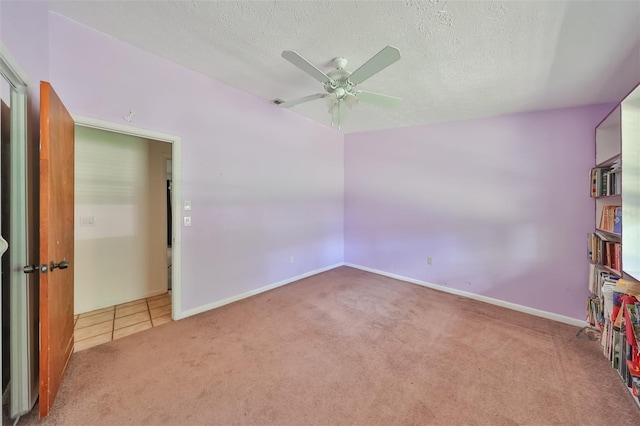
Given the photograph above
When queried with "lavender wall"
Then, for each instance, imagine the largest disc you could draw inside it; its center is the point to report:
(500, 204)
(24, 30)
(265, 184)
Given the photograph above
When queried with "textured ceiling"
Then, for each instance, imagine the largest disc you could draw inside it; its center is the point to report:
(460, 59)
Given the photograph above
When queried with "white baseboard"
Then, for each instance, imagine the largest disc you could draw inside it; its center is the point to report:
(209, 306)
(537, 312)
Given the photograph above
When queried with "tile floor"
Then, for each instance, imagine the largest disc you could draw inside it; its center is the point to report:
(104, 325)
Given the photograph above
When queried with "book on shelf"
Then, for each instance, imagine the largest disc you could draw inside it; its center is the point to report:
(605, 181)
(598, 277)
(629, 286)
(602, 294)
(633, 323)
(607, 301)
(622, 356)
(617, 220)
(626, 351)
(636, 387)
(615, 349)
(594, 312)
(631, 330)
(621, 327)
(592, 278)
(605, 250)
(620, 315)
(614, 187)
(604, 338)
(608, 218)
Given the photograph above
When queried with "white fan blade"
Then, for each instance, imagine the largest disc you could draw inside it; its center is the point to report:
(289, 104)
(377, 98)
(377, 63)
(340, 114)
(306, 66)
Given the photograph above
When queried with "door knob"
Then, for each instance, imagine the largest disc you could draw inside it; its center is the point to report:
(62, 265)
(32, 269)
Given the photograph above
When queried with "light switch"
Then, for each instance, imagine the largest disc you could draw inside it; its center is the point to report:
(87, 220)
(187, 204)
(187, 221)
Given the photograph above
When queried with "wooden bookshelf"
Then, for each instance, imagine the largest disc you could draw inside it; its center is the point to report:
(609, 161)
(611, 270)
(609, 233)
(609, 197)
(614, 244)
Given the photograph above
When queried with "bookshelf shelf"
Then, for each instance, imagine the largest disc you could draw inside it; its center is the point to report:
(614, 244)
(607, 269)
(611, 270)
(609, 161)
(607, 197)
(609, 233)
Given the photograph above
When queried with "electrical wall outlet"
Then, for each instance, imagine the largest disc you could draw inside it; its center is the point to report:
(430, 260)
(292, 259)
(187, 221)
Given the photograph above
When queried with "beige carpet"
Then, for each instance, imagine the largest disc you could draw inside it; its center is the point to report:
(346, 347)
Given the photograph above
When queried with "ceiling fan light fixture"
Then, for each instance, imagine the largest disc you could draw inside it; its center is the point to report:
(331, 99)
(351, 100)
(339, 84)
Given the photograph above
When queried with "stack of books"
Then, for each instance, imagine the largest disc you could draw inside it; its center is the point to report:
(621, 330)
(605, 181)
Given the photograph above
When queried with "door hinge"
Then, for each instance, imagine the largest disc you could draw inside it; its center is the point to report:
(33, 269)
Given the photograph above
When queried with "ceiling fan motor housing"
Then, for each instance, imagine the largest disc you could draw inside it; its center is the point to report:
(340, 78)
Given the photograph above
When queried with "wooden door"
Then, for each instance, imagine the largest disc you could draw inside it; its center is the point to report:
(56, 243)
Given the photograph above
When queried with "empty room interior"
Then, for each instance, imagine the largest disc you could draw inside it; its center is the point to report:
(320, 212)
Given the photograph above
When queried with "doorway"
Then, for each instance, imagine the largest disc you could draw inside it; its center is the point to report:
(124, 277)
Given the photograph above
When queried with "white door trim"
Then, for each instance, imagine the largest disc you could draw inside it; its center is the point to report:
(176, 158)
(22, 329)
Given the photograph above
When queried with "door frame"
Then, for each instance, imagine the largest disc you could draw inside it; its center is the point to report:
(23, 395)
(176, 203)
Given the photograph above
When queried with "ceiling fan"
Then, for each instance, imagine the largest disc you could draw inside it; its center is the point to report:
(340, 84)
